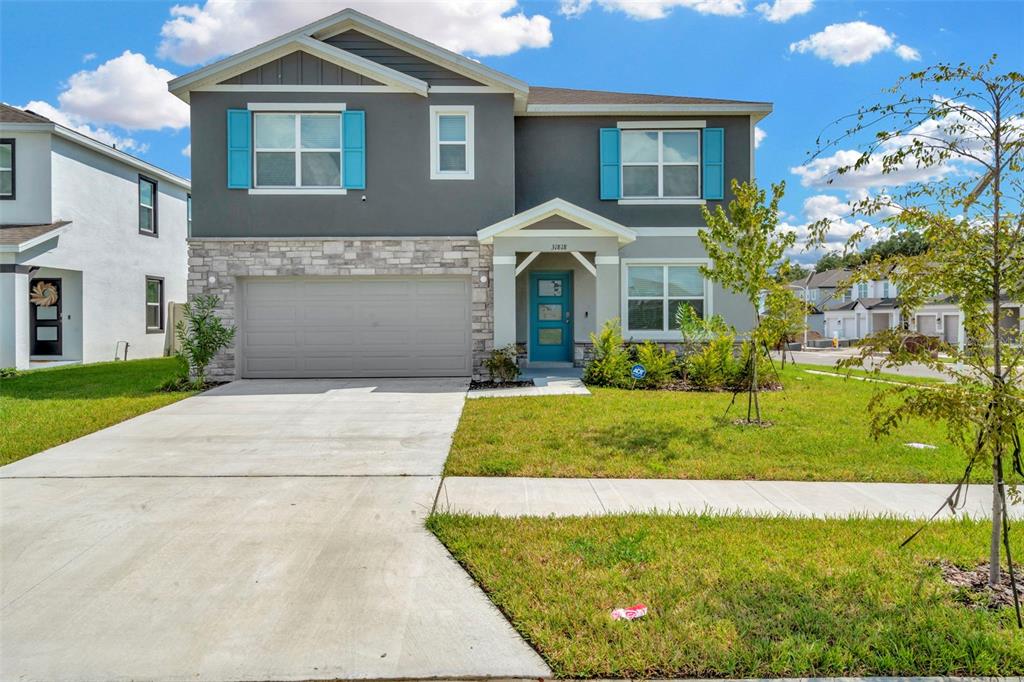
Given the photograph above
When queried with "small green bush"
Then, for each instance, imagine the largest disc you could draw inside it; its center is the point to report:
(709, 365)
(202, 335)
(8, 372)
(661, 365)
(502, 365)
(611, 363)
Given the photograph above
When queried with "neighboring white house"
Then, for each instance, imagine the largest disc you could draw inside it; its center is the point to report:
(863, 309)
(92, 246)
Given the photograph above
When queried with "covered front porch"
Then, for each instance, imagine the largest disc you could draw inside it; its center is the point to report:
(556, 280)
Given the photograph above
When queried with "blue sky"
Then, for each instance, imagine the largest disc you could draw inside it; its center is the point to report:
(99, 65)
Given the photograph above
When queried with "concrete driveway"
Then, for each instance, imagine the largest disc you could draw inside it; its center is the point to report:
(266, 530)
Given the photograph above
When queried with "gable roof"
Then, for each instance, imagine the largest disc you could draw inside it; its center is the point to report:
(563, 209)
(9, 114)
(311, 37)
(827, 279)
(563, 101)
(545, 95)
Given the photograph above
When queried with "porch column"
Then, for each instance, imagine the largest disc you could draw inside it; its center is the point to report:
(607, 289)
(14, 316)
(504, 283)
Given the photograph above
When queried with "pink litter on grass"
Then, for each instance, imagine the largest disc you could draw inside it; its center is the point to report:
(630, 613)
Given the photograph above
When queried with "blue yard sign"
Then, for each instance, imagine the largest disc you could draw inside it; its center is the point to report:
(638, 371)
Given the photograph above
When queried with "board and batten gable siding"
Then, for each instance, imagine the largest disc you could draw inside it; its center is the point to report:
(392, 57)
(300, 68)
(401, 199)
(558, 156)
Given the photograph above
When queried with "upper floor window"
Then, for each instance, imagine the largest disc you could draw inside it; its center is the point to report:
(297, 150)
(7, 168)
(451, 143)
(655, 292)
(862, 290)
(885, 289)
(660, 164)
(147, 206)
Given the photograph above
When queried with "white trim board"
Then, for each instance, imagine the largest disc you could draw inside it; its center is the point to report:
(661, 125)
(289, 107)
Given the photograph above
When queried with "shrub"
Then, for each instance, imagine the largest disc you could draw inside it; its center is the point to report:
(501, 364)
(202, 335)
(610, 365)
(8, 372)
(708, 367)
(660, 363)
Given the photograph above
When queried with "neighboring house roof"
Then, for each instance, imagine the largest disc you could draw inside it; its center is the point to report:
(827, 279)
(9, 114)
(561, 208)
(17, 238)
(21, 120)
(537, 101)
(869, 304)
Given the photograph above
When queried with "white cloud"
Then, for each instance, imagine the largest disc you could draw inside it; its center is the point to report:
(187, 151)
(851, 43)
(759, 136)
(822, 172)
(125, 91)
(77, 124)
(781, 11)
(907, 53)
(88, 57)
(655, 9)
(196, 34)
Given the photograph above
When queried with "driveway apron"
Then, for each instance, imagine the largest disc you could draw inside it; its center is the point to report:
(264, 530)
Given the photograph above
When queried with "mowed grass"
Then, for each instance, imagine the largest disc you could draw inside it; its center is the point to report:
(737, 597)
(43, 408)
(820, 433)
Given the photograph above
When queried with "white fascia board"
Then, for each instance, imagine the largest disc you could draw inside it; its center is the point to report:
(349, 19)
(755, 111)
(285, 45)
(35, 241)
(26, 127)
(564, 209)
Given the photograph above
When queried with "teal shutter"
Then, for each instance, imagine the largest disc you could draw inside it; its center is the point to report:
(239, 149)
(714, 163)
(611, 163)
(353, 130)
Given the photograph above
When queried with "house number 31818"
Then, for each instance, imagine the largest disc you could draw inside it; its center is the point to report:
(559, 247)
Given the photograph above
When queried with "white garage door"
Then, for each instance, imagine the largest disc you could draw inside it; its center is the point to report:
(355, 327)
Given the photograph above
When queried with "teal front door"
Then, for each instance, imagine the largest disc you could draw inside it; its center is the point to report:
(551, 316)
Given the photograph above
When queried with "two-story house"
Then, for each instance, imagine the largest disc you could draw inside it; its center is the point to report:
(92, 246)
(862, 309)
(370, 204)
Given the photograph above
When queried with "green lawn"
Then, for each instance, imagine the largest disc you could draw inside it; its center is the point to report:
(821, 432)
(737, 597)
(43, 408)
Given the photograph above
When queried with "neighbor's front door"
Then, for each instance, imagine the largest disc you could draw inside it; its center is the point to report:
(551, 316)
(44, 298)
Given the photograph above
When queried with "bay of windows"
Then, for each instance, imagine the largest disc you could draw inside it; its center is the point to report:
(297, 150)
(662, 164)
(654, 294)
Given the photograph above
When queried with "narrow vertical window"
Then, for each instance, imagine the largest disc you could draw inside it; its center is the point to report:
(154, 304)
(7, 168)
(188, 214)
(451, 143)
(147, 206)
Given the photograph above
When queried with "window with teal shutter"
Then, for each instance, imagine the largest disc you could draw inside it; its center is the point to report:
(714, 163)
(611, 163)
(239, 149)
(353, 129)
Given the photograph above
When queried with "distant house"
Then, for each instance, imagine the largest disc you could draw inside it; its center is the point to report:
(821, 291)
(864, 308)
(92, 246)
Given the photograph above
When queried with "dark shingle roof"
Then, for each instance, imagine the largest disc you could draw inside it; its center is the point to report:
(542, 95)
(9, 114)
(17, 234)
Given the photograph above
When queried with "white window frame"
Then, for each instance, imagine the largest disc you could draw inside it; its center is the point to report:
(436, 111)
(298, 111)
(660, 165)
(665, 333)
(863, 290)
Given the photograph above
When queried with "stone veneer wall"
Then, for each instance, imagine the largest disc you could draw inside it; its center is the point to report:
(225, 260)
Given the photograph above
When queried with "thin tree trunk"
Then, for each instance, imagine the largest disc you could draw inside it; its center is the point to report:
(997, 523)
(753, 383)
(997, 370)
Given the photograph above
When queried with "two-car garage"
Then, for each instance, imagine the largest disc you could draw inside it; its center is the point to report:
(308, 327)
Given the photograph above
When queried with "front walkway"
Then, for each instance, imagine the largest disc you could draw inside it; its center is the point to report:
(265, 530)
(592, 496)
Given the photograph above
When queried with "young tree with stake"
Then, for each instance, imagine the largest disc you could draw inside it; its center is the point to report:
(745, 246)
(966, 144)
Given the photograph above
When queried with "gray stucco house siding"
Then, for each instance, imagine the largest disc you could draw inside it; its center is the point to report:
(557, 156)
(401, 199)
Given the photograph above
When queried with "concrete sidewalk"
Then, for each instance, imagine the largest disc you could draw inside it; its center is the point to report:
(591, 496)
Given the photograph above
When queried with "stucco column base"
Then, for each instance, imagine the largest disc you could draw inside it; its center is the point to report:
(14, 338)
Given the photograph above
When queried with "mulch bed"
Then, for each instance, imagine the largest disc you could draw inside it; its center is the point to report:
(973, 584)
(680, 385)
(480, 385)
